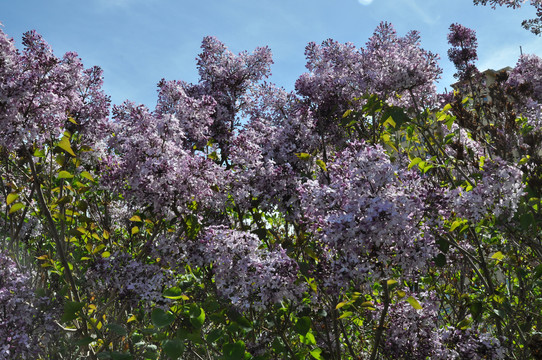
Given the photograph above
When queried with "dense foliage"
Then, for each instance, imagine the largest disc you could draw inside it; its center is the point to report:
(362, 216)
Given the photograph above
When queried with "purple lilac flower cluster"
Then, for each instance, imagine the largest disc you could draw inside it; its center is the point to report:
(40, 91)
(463, 52)
(151, 158)
(528, 74)
(413, 334)
(389, 66)
(498, 192)
(245, 273)
(368, 218)
(17, 313)
(128, 279)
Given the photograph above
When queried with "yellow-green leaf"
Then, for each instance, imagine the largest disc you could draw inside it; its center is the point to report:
(106, 254)
(131, 318)
(87, 175)
(347, 112)
(455, 224)
(401, 294)
(341, 304)
(64, 175)
(135, 218)
(64, 144)
(414, 162)
(390, 122)
(135, 230)
(322, 164)
(303, 156)
(447, 107)
(72, 120)
(12, 197)
(392, 282)
(498, 255)
(346, 314)
(415, 304)
(16, 207)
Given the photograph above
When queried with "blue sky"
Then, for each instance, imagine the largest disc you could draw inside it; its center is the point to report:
(138, 42)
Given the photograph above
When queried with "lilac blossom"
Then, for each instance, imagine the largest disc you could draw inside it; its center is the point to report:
(128, 279)
(228, 79)
(526, 78)
(463, 52)
(415, 334)
(498, 192)
(264, 164)
(18, 315)
(389, 66)
(40, 92)
(152, 166)
(368, 218)
(399, 66)
(245, 273)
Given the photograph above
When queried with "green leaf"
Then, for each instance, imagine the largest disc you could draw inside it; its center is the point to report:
(11, 198)
(415, 304)
(85, 341)
(414, 162)
(87, 175)
(526, 220)
(160, 318)
(174, 293)
(476, 309)
(71, 308)
(39, 153)
(455, 224)
(214, 335)
(341, 304)
(64, 175)
(197, 316)
(235, 351)
(524, 160)
(346, 314)
(303, 325)
(316, 353)
(117, 329)
(391, 282)
(243, 323)
(447, 107)
(538, 272)
(303, 156)
(64, 144)
(173, 348)
(440, 260)
(322, 164)
(498, 256)
(308, 339)
(16, 207)
(390, 122)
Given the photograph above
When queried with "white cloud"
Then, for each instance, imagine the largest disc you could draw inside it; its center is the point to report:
(365, 2)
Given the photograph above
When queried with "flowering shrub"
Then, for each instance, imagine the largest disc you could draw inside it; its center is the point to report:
(361, 216)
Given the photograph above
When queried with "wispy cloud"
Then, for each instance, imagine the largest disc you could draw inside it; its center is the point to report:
(365, 2)
(423, 13)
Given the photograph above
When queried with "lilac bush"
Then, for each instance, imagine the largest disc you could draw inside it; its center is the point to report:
(236, 219)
